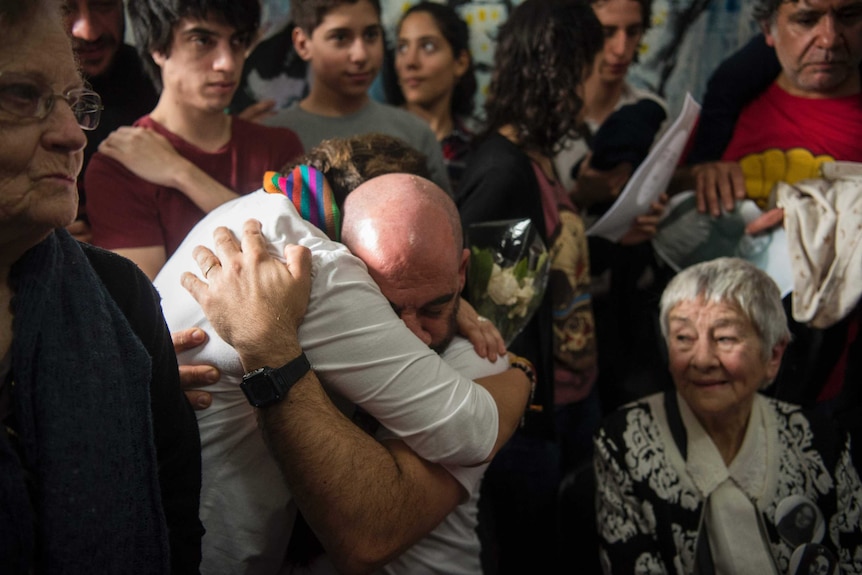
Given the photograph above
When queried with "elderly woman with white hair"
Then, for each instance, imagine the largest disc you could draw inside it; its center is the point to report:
(698, 479)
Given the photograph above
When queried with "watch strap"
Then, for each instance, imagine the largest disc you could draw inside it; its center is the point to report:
(267, 386)
(293, 371)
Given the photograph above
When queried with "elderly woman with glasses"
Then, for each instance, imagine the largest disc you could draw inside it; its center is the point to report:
(99, 452)
(700, 478)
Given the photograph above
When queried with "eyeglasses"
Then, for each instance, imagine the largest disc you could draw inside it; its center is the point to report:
(26, 97)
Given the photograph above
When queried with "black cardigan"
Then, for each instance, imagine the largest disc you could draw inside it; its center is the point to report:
(175, 427)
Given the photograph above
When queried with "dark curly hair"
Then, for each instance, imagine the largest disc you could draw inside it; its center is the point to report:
(153, 23)
(348, 162)
(457, 34)
(308, 14)
(545, 50)
(646, 11)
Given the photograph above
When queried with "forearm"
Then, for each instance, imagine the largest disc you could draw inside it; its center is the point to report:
(151, 157)
(511, 392)
(361, 498)
(683, 179)
(200, 188)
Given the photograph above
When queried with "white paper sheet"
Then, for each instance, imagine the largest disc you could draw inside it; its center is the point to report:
(651, 178)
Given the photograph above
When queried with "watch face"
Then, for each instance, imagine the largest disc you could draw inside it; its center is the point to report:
(259, 387)
(266, 386)
(262, 390)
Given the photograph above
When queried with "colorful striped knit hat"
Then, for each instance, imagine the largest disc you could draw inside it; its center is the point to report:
(311, 195)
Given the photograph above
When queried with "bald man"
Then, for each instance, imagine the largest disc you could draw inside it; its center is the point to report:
(367, 501)
(408, 232)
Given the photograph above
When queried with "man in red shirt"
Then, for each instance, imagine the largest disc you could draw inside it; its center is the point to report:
(811, 114)
(151, 183)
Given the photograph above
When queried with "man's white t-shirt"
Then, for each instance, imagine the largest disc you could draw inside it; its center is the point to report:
(361, 351)
(453, 548)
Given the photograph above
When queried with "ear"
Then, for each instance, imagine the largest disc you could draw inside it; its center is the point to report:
(159, 58)
(301, 43)
(462, 63)
(462, 269)
(774, 362)
(766, 28)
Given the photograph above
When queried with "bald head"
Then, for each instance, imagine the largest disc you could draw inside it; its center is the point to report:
(401, 211)
(408, 232)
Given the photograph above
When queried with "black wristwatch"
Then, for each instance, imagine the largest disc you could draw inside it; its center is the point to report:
(266, 386)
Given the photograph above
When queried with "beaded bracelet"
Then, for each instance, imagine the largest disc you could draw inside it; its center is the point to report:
(526, 366)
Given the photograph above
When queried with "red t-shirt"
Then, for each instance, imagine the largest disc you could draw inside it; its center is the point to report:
(126, 211)
(781, 137)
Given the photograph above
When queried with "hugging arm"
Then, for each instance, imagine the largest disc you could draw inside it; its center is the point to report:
(367, 501)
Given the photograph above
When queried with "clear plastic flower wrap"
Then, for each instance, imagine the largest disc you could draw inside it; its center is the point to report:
(508, 273)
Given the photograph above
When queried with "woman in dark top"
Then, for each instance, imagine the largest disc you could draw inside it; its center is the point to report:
(99, 454)
(544, 51)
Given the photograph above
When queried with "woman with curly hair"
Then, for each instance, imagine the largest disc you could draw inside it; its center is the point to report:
(544, 51)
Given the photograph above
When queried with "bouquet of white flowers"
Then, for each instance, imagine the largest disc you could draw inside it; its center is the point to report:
(508, 273)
